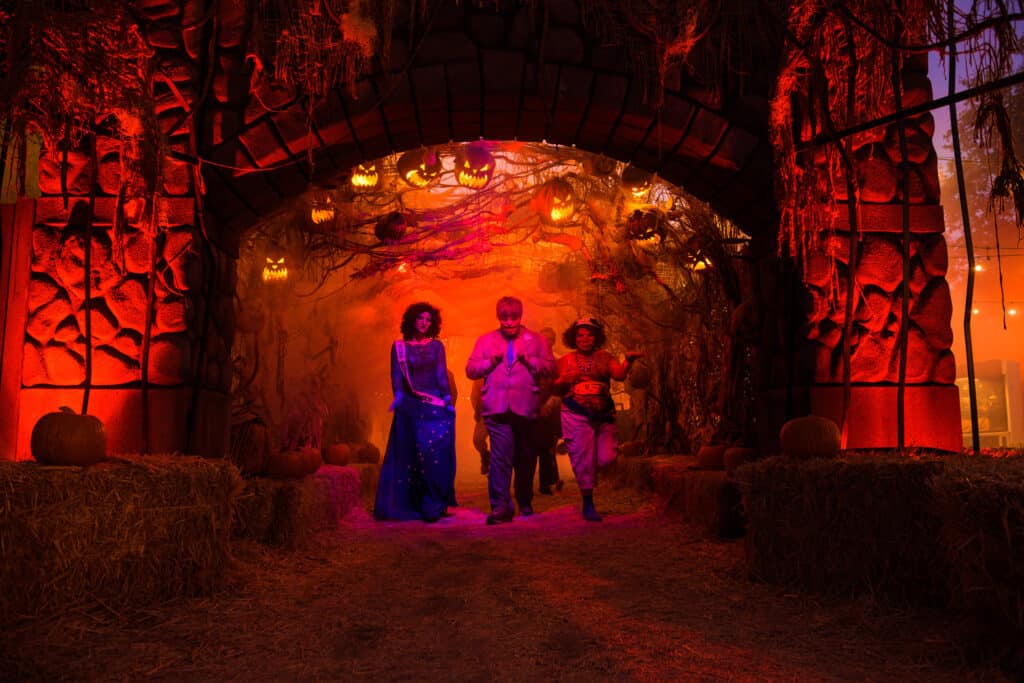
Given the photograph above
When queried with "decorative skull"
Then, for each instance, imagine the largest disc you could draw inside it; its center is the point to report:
(274, 270)
(365, 176)
(419, 167)
(637, 182)
(474, 166)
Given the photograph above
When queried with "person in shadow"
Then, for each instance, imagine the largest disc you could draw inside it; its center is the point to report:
(417, 477)
(548, 429)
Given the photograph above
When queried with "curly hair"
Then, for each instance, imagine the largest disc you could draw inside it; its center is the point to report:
(409, 320)
(569, 336)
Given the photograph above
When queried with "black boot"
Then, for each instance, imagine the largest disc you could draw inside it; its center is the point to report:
(589, 511)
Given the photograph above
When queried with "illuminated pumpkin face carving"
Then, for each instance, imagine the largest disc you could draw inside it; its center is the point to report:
(419, 168)
(474, 166)
(365, 176)
(322, 210)
(636, 182)
(556, 201)
(274, 270)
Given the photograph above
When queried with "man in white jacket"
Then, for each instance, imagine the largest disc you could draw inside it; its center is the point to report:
(510, 360)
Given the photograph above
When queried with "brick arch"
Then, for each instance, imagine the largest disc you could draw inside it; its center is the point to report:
(480, 73)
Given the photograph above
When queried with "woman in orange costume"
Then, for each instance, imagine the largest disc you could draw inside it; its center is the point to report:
(588, 412)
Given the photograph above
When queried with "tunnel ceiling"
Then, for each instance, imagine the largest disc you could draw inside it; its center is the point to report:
(477, 73)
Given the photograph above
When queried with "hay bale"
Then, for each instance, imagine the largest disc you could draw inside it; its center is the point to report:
(127, 532)
(369, 475)
(810, 436)
(705, 498)
(851, 525)
(981, 503)
(629, 473)
(736, 456)
(287, 512)
(711, 457)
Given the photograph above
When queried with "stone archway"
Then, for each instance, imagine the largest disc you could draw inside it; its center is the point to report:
(477, 72)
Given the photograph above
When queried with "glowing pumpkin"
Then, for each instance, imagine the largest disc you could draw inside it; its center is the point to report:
(67, 438)
(419, 168)
(636, 182)
(275, 270)
(322, 209)
(474, 166)
(365, 176)
(555, 201)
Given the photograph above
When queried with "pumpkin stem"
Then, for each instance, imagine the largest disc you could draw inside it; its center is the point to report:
(65, 409)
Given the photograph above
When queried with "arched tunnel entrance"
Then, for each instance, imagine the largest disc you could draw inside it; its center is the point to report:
(323, 281)
(151, 341)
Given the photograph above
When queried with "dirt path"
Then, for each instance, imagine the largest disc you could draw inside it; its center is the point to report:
(549, 597)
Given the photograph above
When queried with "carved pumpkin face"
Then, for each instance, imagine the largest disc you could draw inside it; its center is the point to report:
(322, 209)
(274, 270)
(474, 166)
(419, 168)
(636, 182)
(556, 201)
(365, 176)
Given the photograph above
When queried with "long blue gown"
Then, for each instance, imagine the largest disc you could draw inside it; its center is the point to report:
(417, 477)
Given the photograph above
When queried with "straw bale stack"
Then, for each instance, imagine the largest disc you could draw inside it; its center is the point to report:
(981, 502)
(855, 524)
(286, 512)
(705, 498)
(123, 533)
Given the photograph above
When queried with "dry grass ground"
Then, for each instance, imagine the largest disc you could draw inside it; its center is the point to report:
(549, 597)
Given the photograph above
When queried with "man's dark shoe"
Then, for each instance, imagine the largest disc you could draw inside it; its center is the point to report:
(526, 510)
(499, 518)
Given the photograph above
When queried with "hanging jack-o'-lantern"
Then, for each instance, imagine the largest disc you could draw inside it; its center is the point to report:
(419, 167)
(322, 209)
(474, 166)
(275, 270)
(637, 182)
(391, 227)
(555, 201)
(365, 176)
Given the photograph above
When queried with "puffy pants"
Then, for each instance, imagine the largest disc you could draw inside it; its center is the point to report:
(591, 446)
(512, 452)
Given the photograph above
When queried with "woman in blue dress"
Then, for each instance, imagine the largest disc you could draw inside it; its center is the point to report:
(417, 477)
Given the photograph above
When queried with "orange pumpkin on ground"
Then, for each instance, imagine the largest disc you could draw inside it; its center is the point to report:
(337, 454)
(711, 458)
(736, 456)
(294, 464)
(811, 436)
(366, 453)
(67, 438)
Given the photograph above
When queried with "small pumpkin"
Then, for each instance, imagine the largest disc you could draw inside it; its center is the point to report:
(294, 464)
(811, 436)
(365, 176)
(337, 454)
(474, 166)
(711, 458)
(555, 201)
(637, 182)
(419, 167)
(67, 438)
(366, 453)
(275, 270)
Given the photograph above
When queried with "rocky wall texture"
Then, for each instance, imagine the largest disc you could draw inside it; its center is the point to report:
(817, 311)
(152, 274)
